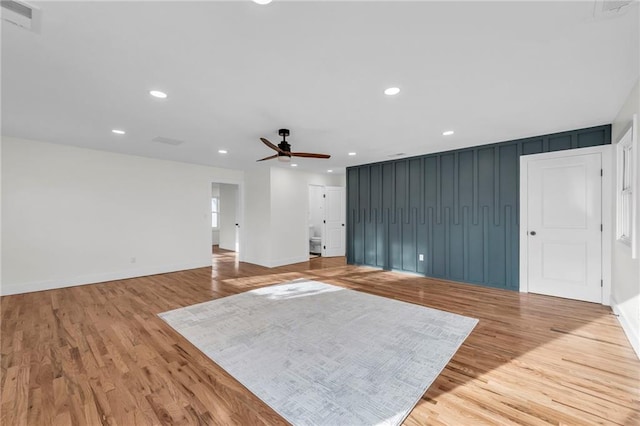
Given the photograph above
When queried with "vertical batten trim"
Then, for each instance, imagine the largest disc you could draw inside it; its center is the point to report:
(476, 187)
(496, 186)
(438, 189)
(447, 240)
(465, 243)
(456, 188)
(407, 188)
(422, 192)
(507, 246)
(485, 239)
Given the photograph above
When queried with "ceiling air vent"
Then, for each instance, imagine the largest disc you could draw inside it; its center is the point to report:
(167, 141)
(610, 8)
(21, 14)
(614, 5)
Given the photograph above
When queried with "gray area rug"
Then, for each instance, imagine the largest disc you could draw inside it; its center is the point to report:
(325, 355)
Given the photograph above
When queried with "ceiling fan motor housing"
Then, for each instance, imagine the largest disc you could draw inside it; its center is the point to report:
(284, 145)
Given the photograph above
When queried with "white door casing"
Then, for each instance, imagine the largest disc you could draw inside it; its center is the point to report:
(562, 224)
(333, 235)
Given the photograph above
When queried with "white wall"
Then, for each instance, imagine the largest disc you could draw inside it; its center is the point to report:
(625, 286)
(289, 214)
(76, 216)
(316, 207)
(228, 216)
(255, 247)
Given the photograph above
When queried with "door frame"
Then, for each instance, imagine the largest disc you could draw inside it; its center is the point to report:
(606, 200)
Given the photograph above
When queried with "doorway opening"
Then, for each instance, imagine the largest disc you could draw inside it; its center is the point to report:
(316, 216)
(225, 209)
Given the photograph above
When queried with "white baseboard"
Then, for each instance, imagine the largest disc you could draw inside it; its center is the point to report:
(289, 261)
(260, 261)
(28, 287)
(629, 326)
(279, 262)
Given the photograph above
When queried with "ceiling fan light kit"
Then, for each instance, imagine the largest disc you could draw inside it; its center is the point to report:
(283, 149)
(283, 158)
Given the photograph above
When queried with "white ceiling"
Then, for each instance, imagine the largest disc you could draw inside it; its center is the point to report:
(235, 71)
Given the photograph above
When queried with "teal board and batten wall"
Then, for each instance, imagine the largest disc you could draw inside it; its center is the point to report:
(459, 209)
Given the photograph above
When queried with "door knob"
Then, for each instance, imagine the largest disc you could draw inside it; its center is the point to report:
(532, 232)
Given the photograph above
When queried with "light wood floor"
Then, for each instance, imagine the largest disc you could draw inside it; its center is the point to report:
(98, 354)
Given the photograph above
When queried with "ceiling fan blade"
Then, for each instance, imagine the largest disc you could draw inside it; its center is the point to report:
(270, 145)
(268, 158)
(309, 155)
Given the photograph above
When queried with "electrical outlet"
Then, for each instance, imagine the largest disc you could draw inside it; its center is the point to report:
(421, 257)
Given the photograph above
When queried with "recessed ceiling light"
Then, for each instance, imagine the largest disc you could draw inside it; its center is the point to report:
(294, 165)
(329, 171)
(447, 133)
(262, 2)
(118, 132)
(352, 154)
(222, 151)
(158, 94)
(392, 91)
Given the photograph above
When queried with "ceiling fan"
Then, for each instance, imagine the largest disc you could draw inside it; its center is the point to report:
(283, 149)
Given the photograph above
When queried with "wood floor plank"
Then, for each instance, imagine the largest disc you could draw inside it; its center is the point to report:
(99, 355)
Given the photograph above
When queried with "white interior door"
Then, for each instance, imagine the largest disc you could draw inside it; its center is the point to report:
(333, 237)
(564, 226)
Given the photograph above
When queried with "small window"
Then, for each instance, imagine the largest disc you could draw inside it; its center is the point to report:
(215, 211)
(626, 152)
